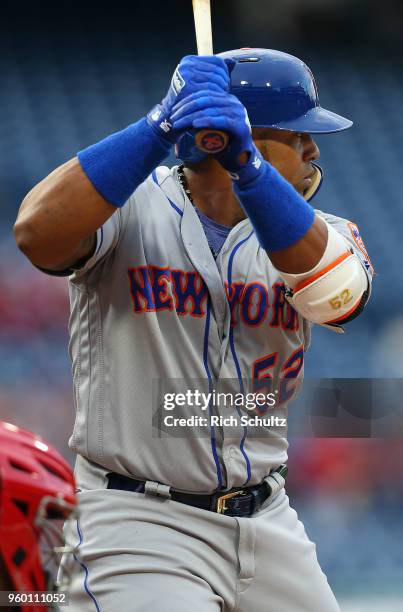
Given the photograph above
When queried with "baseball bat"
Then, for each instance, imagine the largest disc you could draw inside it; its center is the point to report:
(208, 141)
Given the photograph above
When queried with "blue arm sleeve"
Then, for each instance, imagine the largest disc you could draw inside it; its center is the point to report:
(117, 165)
(279, 215)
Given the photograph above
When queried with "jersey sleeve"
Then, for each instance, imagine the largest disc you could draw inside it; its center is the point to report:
(109, 236)
(107, 239)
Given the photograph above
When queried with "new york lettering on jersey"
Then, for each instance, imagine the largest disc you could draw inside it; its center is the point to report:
(188, 316)
(153, 289)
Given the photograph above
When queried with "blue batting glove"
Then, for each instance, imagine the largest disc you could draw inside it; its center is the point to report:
(222, 111)
(194, 72)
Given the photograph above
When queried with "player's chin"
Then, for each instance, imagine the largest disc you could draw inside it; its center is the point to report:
(303, 186)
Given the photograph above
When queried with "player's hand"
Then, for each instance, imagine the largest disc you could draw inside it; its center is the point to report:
(194, 73)
(222, 111)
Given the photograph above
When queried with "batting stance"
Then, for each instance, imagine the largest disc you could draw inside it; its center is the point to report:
(215, 270)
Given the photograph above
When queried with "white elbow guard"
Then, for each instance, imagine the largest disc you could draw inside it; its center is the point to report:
(332, 290)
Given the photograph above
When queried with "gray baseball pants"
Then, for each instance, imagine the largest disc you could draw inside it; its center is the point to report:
(140, 553)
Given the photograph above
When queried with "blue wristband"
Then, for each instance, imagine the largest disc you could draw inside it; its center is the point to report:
(117, 165)
(279, 215)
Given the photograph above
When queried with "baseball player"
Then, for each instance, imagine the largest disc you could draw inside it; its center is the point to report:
(212, 271)
(36, 486)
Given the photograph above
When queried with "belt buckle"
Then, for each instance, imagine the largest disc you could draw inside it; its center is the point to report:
(221, 507)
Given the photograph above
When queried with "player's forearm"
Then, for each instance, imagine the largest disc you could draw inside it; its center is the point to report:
(304, 254)
(117, 165)
(285, 224)
(312, 258)
(58, 216)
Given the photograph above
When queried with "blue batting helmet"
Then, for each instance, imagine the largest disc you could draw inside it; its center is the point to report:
(279, 91)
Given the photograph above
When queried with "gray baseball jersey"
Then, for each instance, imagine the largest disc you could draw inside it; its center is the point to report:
(153, 305)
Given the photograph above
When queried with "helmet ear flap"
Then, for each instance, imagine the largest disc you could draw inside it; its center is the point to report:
(186, 150)
(317, 181)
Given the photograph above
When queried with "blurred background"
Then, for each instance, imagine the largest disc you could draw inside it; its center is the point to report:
(71, 73)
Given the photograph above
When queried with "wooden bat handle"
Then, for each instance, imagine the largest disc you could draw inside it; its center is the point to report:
(208, 141)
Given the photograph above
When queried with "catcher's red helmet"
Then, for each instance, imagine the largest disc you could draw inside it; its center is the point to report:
(36, 485)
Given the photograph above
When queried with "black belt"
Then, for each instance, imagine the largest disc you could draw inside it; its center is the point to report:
(237, 502)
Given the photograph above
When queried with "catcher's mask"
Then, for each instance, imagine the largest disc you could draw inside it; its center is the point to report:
(36, 496)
